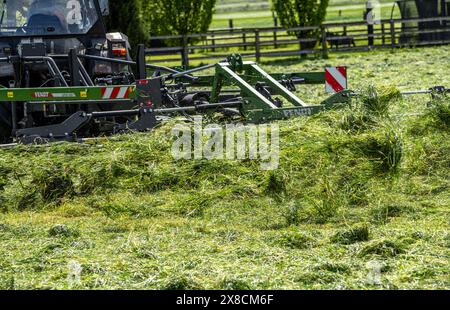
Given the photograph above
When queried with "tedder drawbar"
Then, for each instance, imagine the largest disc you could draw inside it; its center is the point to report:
(63, 77)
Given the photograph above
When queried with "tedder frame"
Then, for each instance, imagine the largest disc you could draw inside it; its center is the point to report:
(256, 98)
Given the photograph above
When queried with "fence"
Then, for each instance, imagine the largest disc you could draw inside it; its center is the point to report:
(278, 42)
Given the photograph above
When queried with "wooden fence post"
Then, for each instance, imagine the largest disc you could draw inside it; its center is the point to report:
(275, 32)
(324, 41)
(257, 46)
(383, 34)
(213, 40)
(185, 52)
(244, 40)
(393, 41)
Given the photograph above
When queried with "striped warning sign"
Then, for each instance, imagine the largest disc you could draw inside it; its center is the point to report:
(335, 79)
(115, 92)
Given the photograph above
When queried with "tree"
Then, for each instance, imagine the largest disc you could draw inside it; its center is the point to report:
(301, 13)
(125, 17)
(178, 17)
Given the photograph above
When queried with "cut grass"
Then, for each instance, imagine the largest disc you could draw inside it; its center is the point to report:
(352, 235)
(133, 218)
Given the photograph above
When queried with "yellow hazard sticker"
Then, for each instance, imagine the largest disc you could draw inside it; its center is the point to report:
(10, 94)
(83, 94)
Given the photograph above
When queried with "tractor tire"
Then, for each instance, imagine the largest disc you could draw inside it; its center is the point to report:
(5, 123)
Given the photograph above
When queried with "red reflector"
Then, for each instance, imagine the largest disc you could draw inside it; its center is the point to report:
(119, 52)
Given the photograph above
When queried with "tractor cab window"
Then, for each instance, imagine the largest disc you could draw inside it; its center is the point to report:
(46, 17)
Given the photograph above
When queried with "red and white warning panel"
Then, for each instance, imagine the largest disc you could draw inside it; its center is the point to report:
(335, 79)
(116, 92)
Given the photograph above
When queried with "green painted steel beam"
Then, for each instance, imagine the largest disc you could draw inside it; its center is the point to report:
(277, 88)
(264, 115)
(250, 95)
(310, 78)
(261, 116)
(69, 94)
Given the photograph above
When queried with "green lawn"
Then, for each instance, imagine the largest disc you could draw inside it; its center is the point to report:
(339, 213)
(252, 14)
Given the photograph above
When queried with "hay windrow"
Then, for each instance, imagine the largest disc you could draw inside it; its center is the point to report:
(355, 185)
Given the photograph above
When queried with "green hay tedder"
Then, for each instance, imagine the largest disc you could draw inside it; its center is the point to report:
(63, 77)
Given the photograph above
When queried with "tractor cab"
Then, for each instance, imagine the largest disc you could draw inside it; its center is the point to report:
(38, 28)
(47, 44)
(31, 18)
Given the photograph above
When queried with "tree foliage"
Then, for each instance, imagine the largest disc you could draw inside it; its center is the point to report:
(141, 19)
(177, 17)
(301, 13)
(126, 17)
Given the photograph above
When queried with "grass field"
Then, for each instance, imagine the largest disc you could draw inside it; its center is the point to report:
(360, 201)
(258, 13)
